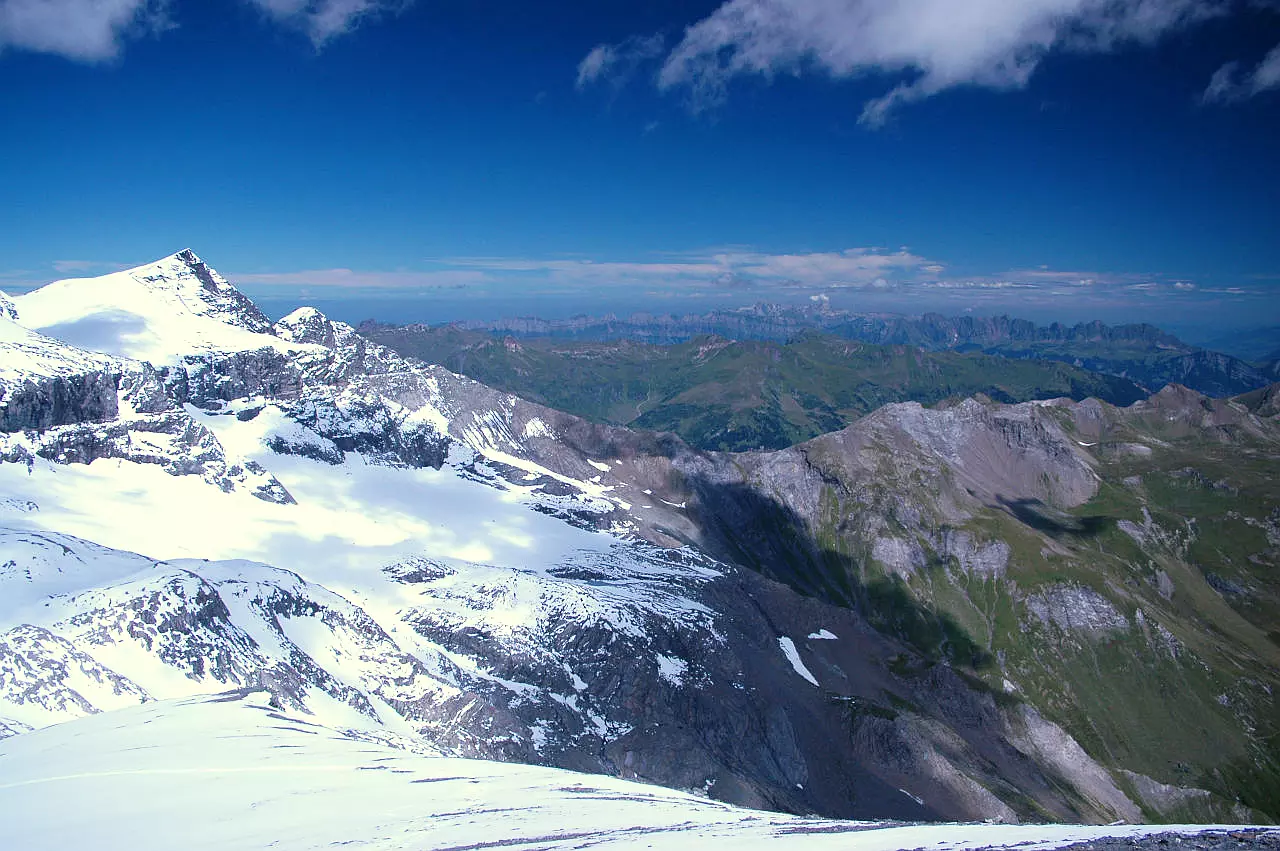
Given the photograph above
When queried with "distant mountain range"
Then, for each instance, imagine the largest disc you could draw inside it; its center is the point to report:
(739, 395)
(1144, 354)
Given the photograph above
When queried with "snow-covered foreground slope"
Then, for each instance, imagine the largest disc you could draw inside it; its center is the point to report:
(232, 772)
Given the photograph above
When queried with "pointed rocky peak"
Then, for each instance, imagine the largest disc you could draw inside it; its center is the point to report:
(306, 325)
(1264, 402)
(202, 290)
(1177, 398)
(160, 312)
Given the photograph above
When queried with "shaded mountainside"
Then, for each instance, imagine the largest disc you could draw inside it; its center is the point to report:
(720, 394)
(1142, 353)
(1115, 568)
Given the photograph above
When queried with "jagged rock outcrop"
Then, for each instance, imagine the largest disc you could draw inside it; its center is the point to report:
(58, 400)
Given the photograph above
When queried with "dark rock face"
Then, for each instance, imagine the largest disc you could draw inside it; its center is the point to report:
(58, 400)
(221, 299)
(369, 426)
(206, 380)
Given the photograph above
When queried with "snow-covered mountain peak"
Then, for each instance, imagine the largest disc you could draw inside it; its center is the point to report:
(159, 312)
(7, 308)
(306, 325)
(202, 290)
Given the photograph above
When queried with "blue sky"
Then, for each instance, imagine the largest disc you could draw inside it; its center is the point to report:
(1047, 158)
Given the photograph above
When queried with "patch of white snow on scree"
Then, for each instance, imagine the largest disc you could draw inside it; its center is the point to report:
(536, 428)
(823, 635)
(671, 668)
(793, 656)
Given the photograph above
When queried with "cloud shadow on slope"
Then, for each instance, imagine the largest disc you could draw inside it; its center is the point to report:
(1051, 522)
(745, 527)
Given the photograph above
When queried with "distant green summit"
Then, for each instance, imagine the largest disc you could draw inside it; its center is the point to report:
(740, 395)
(1146, 355)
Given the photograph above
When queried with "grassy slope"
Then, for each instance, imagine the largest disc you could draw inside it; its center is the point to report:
(1195, 710)
(724, 395)
(1202, 715)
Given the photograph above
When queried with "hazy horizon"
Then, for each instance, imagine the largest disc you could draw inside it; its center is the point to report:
(1066, 160)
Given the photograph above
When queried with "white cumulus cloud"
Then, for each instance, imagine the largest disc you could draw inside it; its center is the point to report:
(83, 30)
(931, 45)
(97, 30)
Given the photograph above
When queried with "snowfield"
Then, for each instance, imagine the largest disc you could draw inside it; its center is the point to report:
(232, 772)
(159, 313)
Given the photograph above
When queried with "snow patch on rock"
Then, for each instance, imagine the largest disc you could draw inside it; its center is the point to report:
(793, 656)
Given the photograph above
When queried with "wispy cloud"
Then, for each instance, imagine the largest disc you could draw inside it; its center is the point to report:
(928, 45)
(97, 30)
(850, 268)
(787, 275)
(618, 63)
(858, 278)
(323, 20)
(853, 267)
(1094, 286)
(1228, 84)
(712, 272)
(83, 30)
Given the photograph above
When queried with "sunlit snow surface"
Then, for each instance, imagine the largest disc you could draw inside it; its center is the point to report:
(229, 772)
(346, 519)
(158, 313)
(25, 354)
(356, 531)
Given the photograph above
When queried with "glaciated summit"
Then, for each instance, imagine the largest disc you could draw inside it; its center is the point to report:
(158, 312)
